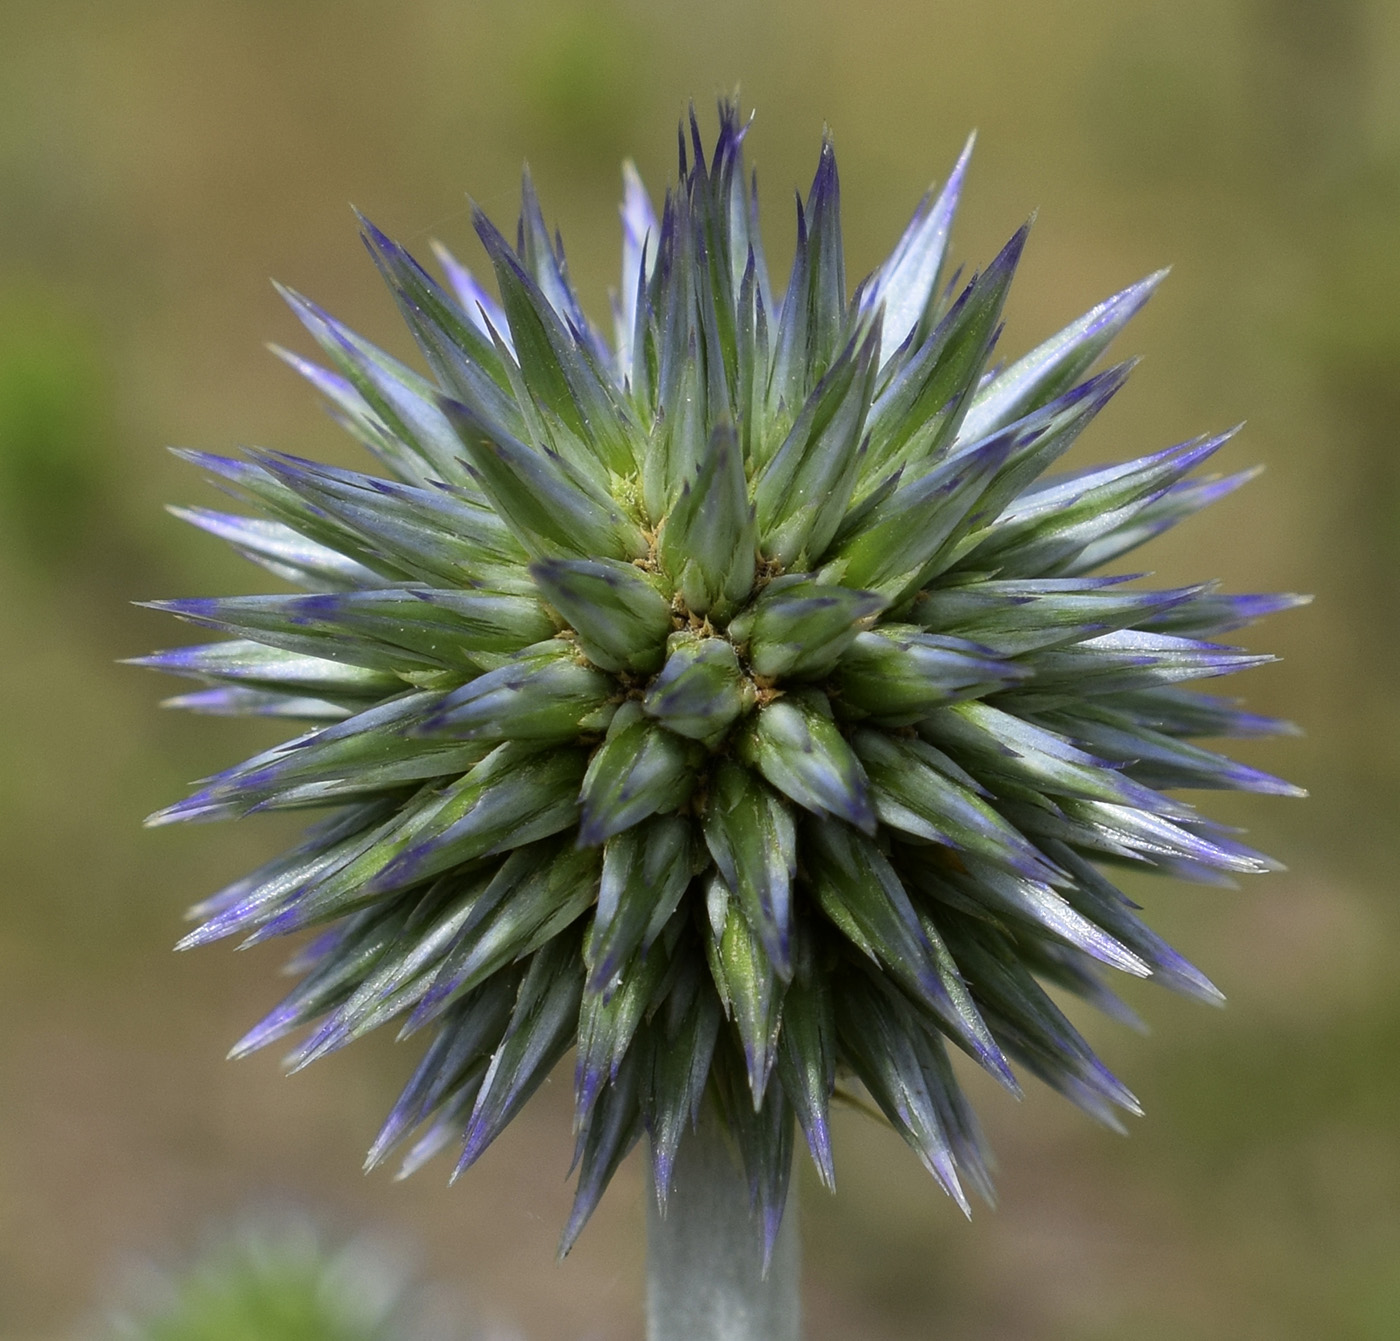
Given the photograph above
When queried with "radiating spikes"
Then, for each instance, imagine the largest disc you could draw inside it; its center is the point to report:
(457, 1055)
(918, 412)
(511, 798)
(263, 778)
(993, 743)
(1038, 441)
(971, 1156)
(463, 355)
(1033, 1030)
(251, 483)
(763, 1135)
(552, 512)
(543, 257)
(1017, 617)
(715, 314)
(641, 769)
(1130, 659)
(403, 400)
(683, 439)
(541, 1028)
(481, 309)
(536, 892)
(685, 1029)
(709, 541)
(807, 1065)
(332, 980)
(744, 977)
(1122, 831)
(877, 1036)
(646, 870)
(1054, 529)
(544, 693)
(907, 281)
(1051, 368)
(1159, 514)
(446, 1127)
(915, 790)
(672, 363)
(898, 674)
(433, 534)
(614, 1126)
(639, 244)
(800, 627)
(436, 923)
(373, 750)
(811, 325)
(751, 359)
(323, 844)
(607, 1028)
(750, 834)
(558, 362)
(1181, 712)
(1210, 613)
(734, 703)
(764, 288)
(977, 885)
(701, 690)
(1072, 971)
(697, 171)
(916, 520)
(621, 618)
(826, 299)
(638, 377)
(413, 1106)
(1153, 758)
(801, 494)
(796, 745)
(354, 414)
(734, 207)
(860, 891)
(282, 550)
(244, 662)
(389, 629)
(1096, 489)
(1093, 896)
(238, 701)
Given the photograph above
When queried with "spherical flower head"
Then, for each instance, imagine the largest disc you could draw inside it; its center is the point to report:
(736, 702)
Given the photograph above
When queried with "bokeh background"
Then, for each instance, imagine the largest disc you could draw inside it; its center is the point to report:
(161, 159)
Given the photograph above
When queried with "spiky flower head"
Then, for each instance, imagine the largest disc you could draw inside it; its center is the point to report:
(733, 702)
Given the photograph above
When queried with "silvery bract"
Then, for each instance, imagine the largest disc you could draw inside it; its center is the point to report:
(735, 701)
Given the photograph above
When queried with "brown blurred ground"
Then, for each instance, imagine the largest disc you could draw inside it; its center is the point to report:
(160, 160)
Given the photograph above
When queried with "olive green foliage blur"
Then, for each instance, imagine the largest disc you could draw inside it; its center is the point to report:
(52, 389)
(282, 1276)
(160, 161)
(266, 1287)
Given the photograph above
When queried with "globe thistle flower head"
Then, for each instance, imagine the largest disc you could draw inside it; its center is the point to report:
(736, 701)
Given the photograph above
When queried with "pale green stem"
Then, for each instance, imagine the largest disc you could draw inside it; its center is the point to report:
(705, 1278)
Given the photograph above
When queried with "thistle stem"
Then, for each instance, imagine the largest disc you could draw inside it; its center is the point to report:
(705, 1279)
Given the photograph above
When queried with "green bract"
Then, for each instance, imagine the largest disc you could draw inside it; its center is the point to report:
(732, 702)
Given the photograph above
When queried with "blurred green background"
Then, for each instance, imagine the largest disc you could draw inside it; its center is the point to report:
(161, 159)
